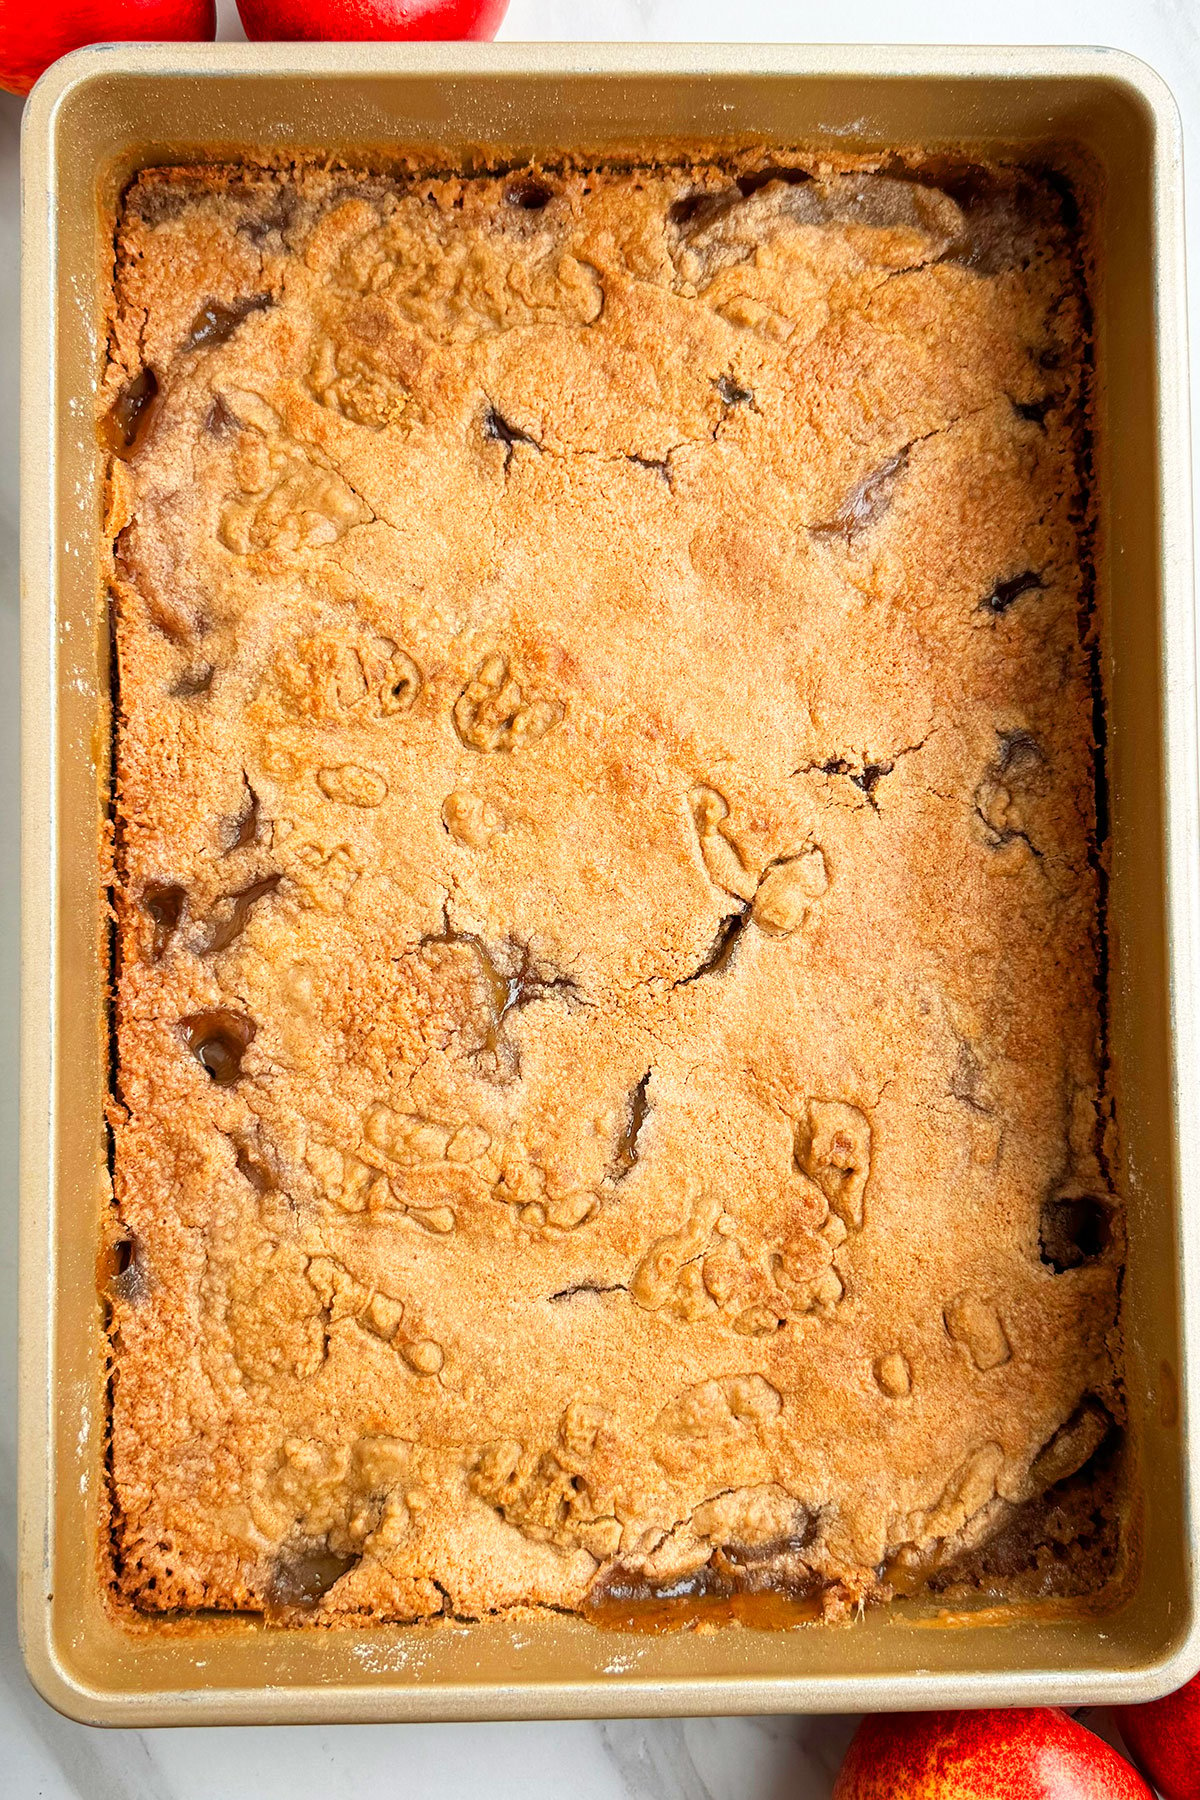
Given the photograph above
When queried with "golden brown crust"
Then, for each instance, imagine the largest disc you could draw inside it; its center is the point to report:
(610, 1063)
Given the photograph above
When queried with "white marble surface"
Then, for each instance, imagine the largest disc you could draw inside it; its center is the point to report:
(44, 1757)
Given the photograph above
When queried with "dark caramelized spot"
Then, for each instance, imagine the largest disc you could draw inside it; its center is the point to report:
(497, 427)
(761, 178)
(218, 1040)
(722, 1592)
(732, 393)
(1007, 593)
(193, 682)
(692, 212)
(130, 1279)
(588, 1287)
(1034, 411)
(244, 829)
(970, 185)
(866, 779)
(1019, 752)
(687, 209)
(528, 195)
(398, 695)
(164, 901)
(656, 464)
(1074, 1231)
(724, 946)
(131, 414)
(303, 1574)
(626, 1152)
(867, 501)
(1068, 201)
(966, 1080)
(160, 205)
(219, 421)
(238, 908)
(214, 323)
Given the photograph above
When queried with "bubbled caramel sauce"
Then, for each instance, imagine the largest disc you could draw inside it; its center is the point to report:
(728, 1589)
(128, 422)
(218, 1040)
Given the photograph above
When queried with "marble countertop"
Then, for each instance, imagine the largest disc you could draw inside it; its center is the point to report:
(45, 1757)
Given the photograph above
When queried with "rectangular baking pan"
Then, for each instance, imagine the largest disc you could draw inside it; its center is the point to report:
(92, 121)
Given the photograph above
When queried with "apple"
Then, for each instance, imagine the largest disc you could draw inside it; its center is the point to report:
(1164, 1736)
(1034, 1754)
(361, 21)
(33, 36)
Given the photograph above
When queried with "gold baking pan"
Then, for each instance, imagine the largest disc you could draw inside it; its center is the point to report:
(94, 119)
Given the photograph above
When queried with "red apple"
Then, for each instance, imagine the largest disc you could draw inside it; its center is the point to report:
(32, 36)
(360, 21)
(1037, 1754)
(1164, 1735)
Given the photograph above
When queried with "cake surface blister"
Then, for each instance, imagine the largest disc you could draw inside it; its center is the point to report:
(610, 1095)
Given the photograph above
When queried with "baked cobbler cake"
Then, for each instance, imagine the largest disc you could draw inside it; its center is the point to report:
(609, 1095)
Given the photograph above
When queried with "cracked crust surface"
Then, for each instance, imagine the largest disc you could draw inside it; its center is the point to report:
(609, 1038)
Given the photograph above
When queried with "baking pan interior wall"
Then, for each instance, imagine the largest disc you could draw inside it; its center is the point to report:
(94, 120)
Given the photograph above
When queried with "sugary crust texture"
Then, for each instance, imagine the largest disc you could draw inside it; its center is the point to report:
(610, 1074)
